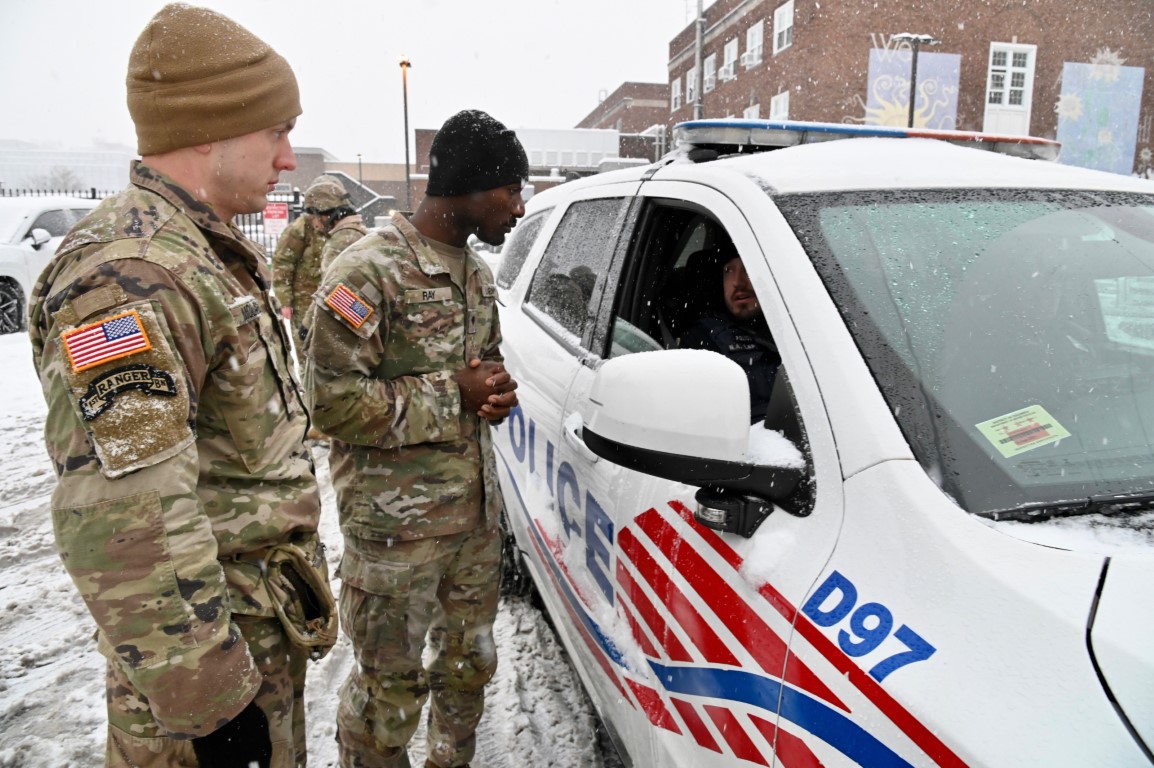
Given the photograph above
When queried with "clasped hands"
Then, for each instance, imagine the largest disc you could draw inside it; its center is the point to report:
(487, 389)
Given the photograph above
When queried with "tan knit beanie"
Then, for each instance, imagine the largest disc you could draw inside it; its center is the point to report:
(195, 77)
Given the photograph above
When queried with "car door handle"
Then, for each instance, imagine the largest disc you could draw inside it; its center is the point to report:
(572, 432)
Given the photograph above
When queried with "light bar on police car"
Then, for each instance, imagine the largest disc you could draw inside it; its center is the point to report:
(734, 135)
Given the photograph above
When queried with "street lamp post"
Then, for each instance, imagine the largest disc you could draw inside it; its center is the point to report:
(916, 42)
(360, 175)
(405, 64)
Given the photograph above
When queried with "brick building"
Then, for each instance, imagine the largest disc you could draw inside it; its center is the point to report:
(1074, 70)
(632, 108)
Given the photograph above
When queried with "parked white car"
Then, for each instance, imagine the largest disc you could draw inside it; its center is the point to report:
(31, 229)
(937, 549)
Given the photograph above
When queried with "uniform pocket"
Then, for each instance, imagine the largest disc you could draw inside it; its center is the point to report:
(250, 401)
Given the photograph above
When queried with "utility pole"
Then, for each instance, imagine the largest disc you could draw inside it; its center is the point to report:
(698, 107)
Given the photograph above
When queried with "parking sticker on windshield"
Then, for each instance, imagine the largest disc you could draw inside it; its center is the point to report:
(1021, 431)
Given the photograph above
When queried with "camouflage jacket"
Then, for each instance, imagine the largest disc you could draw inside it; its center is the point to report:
(296, 265)
(176, 430)
(347, 231)
(389, 330)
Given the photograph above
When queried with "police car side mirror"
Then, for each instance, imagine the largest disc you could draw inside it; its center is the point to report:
(39, 236)
(683, 415)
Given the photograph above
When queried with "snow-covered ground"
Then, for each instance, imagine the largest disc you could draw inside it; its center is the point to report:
(52, 678)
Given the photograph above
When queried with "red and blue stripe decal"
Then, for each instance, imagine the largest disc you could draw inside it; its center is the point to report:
(718, 671)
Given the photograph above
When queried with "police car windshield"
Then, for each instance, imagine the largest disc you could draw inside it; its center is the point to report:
(1010, 331)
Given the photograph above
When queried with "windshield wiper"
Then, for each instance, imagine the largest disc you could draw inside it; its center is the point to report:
(1111, 504)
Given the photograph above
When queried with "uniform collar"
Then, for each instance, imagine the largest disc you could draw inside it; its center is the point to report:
(430, 262)
(201, 213)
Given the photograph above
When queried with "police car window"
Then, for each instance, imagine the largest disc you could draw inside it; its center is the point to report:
(56, 222)
(521, 241)
(568, 283)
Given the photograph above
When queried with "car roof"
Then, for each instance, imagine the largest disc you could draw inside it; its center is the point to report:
(900, 163)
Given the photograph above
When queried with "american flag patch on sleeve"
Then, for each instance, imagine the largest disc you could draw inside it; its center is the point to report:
(109, 339)
(349, 306)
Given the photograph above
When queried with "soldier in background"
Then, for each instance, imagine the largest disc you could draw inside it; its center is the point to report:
(403, 367)
(296, 262)
(348, 229)
(174, 422)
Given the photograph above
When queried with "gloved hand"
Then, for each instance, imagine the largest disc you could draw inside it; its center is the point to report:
(239, 743)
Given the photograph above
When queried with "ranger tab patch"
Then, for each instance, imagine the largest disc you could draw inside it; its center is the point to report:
(105, 387)
(109, 339)
(349, 306)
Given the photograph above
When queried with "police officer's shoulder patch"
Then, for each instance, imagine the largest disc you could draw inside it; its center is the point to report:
(128, 386)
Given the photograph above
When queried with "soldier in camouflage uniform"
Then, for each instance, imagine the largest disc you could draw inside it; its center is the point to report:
(174, 422)
(346, 232)
(403, 366)
(296, 262)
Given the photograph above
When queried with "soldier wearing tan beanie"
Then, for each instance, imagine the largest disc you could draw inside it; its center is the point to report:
(175, 422)
(195, 77)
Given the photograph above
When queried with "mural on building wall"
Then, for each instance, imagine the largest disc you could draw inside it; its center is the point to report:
(888, 89)
(1098, 112)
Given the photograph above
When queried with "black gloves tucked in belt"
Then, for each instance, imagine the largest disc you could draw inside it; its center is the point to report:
(239, 743)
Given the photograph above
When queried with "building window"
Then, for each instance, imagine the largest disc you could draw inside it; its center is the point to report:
(783, 27)
(1009, 88)
(709, 73)
(752, 112)
(729, 68)
(779, 106)
(690, 87)
(752, 56)
(675, 95)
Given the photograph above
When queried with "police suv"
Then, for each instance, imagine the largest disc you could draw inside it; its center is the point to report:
(936, 548)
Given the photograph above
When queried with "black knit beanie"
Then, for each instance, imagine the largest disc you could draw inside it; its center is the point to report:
(474, 153)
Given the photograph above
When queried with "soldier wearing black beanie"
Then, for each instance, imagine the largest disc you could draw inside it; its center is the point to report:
(408, 315)
(473, 153)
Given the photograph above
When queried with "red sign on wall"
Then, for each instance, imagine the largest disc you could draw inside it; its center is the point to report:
(275, 218)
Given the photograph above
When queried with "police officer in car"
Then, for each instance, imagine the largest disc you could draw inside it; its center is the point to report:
(733, 323)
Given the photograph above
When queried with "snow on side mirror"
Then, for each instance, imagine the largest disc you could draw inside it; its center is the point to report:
(39, 237)
(683, 414)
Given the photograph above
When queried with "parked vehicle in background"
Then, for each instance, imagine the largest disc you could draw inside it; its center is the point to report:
(938, 546)
(31, 229)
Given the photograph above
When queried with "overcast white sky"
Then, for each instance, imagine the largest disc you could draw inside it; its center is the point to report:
(530, 63)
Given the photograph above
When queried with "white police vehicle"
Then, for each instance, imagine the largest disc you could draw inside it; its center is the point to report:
(938, 547)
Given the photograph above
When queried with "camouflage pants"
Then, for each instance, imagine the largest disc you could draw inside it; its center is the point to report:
(135, 740)
(393, 598)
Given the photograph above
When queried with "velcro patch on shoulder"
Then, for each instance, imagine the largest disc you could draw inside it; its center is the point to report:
(108, 339)
(129, 388)
(349, 306)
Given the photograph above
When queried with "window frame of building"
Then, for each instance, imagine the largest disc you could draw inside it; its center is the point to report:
(690, 87)
(752, 112)
(1009, 98)
(782, 27)
(728, 69)
(675, 95)
(779, 106)
(709, 73)
(754, 40)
